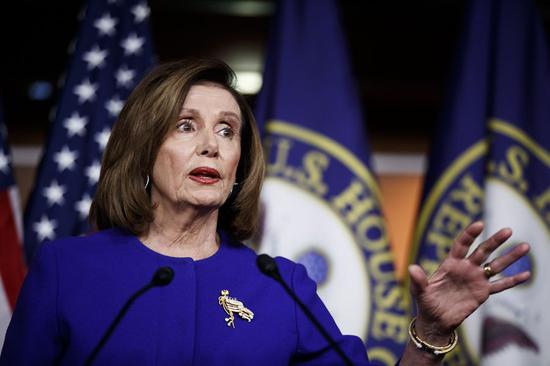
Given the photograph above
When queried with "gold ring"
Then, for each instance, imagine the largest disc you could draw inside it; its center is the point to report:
(488, 270)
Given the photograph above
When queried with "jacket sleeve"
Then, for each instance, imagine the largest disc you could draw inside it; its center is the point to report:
(312, 347)
(33, 336)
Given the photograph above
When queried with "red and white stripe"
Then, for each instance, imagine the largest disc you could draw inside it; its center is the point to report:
(12, 266)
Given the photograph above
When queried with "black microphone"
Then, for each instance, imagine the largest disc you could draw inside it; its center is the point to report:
(162, 277)
(268, 266)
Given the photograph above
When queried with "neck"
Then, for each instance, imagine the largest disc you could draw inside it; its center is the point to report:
(186, 233)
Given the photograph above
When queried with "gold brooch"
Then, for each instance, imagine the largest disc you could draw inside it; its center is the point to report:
(231, 305)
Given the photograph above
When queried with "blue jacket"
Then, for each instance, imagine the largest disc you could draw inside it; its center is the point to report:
(76, 286)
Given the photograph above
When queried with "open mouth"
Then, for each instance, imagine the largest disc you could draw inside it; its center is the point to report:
(204, 175)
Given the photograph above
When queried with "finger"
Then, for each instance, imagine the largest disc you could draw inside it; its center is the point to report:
(482, 252)
(503, 261)
(508, 282)
(462, 243)
(419, 279)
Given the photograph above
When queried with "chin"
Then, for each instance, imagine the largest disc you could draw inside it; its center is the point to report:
(207, 201)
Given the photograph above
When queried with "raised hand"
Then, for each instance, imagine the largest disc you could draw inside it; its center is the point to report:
(461, 284)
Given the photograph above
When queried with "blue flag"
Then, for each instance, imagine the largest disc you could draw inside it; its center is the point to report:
(112, 52)
(321, 201)
(491, 161)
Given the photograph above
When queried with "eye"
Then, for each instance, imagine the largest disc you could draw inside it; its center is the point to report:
(186, 125)
(226, 131)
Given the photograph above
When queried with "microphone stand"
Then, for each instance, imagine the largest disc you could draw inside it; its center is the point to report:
(269, 267)
(162, 277)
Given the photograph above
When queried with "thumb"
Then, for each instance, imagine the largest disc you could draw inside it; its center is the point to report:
(419, 280)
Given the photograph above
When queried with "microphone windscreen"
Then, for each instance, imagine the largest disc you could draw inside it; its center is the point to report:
(163, 276)
(267, 265)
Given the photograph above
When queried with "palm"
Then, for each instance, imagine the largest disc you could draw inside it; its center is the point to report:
(459, 286)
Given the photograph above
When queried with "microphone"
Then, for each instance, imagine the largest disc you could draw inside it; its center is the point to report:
(162, 277)
(269, 267)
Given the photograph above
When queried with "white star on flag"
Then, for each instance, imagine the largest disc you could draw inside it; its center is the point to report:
(95, 57)
(125, 77)
(114, 106)
(92, 172)
(65, 159)
(112, 52)
(4, 161)
(54, 193)
(85, 91)
(75, 125)
(140, 11)
(45, 228)
(83, 206)
(102, 138)
(132, 44)
(106, 25)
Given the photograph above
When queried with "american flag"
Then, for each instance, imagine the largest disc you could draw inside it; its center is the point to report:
(12, 268)
(112, 52)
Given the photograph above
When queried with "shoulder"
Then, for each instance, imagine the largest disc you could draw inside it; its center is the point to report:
(239, 253)
(294, 274)
(94, 245)
(103, 237)
(287, 265)
(95, 238)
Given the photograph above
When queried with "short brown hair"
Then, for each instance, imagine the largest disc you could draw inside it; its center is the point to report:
(144, 123)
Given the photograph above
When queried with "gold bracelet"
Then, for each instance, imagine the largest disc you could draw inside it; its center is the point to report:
(436, 350)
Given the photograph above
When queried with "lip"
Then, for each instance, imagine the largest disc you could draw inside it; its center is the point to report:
(204, 175)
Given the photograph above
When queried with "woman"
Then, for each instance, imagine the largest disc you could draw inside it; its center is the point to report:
(179, 187)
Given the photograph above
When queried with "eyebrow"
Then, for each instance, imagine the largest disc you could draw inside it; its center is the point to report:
(190, 111)
(231, 115)
(195, 112)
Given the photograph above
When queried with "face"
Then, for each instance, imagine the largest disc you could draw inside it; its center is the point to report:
(197, 163)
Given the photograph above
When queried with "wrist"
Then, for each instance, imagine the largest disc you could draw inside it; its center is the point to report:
(436, 344)
(427, 331)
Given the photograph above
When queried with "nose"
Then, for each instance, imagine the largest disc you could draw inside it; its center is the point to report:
(208, 146)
